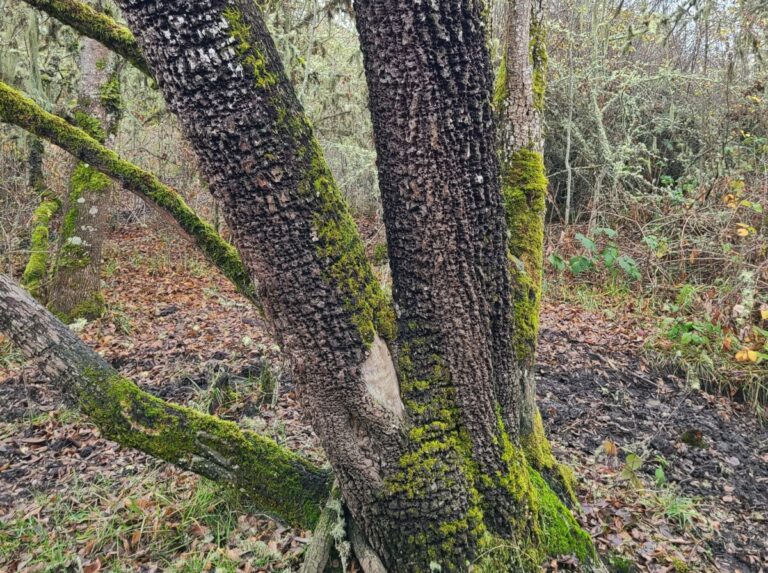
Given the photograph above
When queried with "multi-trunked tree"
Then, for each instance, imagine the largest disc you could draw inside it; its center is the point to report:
(423, 404)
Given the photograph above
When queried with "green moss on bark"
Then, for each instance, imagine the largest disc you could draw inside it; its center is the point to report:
(271, 478)
(524, 188)
(538, 452)
(539, 59)
(339, 243)
(97, 25)
(249, 54)
(73, 250)
(37, 267)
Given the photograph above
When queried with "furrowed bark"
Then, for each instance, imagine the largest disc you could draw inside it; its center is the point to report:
(94, 24)
(220, 73)
(446, 233)
(20, 110)
(430, 92)
(271, 478)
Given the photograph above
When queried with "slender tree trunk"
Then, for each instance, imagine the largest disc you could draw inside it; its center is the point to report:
(75, 290)
(519, 102)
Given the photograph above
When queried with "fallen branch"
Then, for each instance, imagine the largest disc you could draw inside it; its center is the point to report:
(20, 110)
(269, 477)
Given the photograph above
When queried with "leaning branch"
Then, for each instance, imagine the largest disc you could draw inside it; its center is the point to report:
(271, 478)
(97, 25)
(19, 110)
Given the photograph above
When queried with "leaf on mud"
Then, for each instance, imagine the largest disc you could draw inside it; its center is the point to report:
(610, 448)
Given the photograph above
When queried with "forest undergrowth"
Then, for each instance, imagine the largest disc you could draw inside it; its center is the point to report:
(672, 479)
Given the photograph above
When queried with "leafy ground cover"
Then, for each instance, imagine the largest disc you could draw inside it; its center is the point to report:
(672, 479)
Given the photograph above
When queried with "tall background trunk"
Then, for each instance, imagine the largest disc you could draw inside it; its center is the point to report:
(519, 102)
(75, 284)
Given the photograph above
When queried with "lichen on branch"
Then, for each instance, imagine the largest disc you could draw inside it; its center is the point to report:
(97, 25)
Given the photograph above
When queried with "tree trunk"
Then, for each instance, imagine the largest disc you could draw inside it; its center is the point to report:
(439, 480)
(519, 100)
(75, 290)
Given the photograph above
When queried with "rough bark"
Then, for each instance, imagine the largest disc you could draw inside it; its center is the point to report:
(94, 24)
(220, 73)
(263, 473)
(75, 286)
(435, 481)
(19, 110)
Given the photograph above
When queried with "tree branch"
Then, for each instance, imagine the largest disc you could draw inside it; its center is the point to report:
(20, 110)
(97, 25)
(272, 478)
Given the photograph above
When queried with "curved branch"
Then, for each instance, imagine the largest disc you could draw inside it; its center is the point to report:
(97, 25)
(270, 477)
(20, 110)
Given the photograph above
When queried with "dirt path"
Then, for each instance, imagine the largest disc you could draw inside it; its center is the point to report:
(672, 479)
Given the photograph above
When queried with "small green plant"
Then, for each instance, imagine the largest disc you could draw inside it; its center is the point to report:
(594, 258)
(9, 355)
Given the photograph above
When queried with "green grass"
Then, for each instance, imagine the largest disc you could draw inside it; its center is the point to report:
(183, 526)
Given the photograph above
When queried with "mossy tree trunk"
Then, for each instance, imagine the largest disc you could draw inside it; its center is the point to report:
(427, 447)
(519, 102)
(75, 283)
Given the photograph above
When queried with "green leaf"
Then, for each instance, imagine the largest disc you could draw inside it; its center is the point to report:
(580, 264)
(557, 262)
(610, 254)
(607, 231)
(586, 242)
(629, 266)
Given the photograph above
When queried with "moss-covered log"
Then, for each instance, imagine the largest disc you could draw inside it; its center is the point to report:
(20, 110)
(271, 478)
(94, 24)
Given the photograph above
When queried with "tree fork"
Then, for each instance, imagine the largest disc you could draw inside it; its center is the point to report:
(20, 110)
(272, 479)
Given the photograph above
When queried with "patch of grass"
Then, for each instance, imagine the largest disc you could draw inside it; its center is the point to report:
(181, 525)
(10, 356)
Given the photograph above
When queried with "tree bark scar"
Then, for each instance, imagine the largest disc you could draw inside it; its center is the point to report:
(380, 378)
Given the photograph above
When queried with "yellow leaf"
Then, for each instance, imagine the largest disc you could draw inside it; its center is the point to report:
(742, 356)
(610, 448)
(752, 355)
(741, 232)
(764, 313)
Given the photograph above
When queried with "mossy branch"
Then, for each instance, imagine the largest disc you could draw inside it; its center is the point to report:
(20, 110)
(36, 270)
(267, 476)
(97, 25)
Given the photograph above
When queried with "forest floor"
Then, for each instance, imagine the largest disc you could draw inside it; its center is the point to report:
(672, 479)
